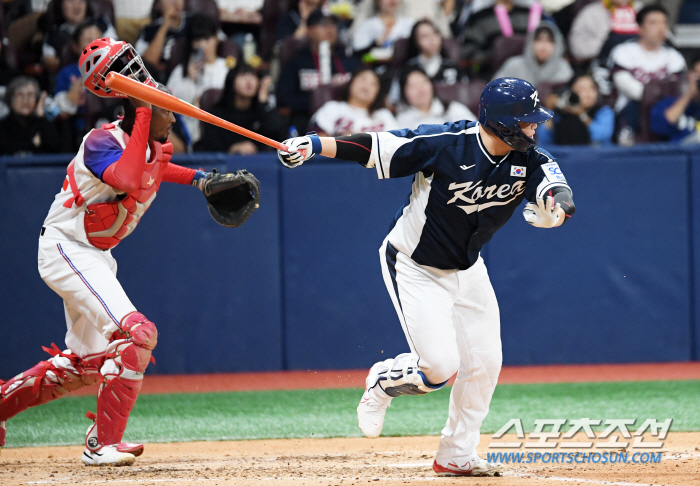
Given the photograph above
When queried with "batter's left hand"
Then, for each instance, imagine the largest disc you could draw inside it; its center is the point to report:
(544, 214)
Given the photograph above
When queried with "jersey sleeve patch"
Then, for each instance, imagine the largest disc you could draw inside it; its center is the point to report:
(553, 173)
(100, 151)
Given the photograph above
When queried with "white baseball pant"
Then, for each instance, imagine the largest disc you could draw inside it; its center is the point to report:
(93, 299)
(452, 324)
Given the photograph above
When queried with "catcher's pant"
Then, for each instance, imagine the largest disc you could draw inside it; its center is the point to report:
(452, 324)
(94, 300)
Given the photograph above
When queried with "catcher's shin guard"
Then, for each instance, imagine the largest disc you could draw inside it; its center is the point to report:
(48, 380)
(123, 377)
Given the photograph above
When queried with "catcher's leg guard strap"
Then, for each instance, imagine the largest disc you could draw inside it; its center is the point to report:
(46, 381)
(123, 375)
(402, 376)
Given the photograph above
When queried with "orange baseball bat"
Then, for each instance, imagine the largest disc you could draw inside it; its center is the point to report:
(154, 96)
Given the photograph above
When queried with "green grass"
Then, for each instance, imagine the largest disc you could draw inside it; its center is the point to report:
(331, 413)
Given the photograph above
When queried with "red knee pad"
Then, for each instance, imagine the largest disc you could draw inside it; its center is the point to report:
(140, 330)
(133, 357)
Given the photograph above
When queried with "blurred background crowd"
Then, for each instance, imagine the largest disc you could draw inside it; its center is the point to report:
(614, 71)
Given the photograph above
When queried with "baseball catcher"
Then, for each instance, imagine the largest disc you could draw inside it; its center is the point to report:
(109, 185)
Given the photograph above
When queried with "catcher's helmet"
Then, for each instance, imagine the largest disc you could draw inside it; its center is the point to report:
(105, 55)
(507, 101)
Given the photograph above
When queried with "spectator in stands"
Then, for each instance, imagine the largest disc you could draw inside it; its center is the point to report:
(483, 28)
(420, 105)
(302, 74)
(26, 129)
(382, 29)
(543, 58)
(677, 118)
(294, 22)
(438, 11)
(361, 109)
(200, 70)
(158, 38)
(8, 72)
(425, 51)
(240, 17)
(634, 63)
(67, 15)
(579, 117)
(130, 16)
(69, 93)
(245, 102)
(600, 26)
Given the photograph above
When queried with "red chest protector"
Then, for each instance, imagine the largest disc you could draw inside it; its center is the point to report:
(107, 223)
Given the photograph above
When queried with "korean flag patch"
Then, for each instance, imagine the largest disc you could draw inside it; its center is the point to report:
(517, 171)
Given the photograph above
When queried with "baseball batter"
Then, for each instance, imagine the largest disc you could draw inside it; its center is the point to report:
(110, 184)
(468, 179)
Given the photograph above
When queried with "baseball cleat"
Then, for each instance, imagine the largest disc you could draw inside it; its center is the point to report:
(107, 456)
(469, 466)
(370, 415)
(134, 449)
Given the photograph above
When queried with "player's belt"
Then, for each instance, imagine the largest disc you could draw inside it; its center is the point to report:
(43, 230)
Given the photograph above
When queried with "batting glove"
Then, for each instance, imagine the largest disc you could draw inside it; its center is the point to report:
(544, 214)
(301, 149)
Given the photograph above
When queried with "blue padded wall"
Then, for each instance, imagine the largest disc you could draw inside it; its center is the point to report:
(611, 285)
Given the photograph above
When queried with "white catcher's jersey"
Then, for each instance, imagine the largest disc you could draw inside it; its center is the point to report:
(100, 148)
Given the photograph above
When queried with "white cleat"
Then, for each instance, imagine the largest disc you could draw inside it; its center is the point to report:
(468, 466)
(107, 456)
(370, 415)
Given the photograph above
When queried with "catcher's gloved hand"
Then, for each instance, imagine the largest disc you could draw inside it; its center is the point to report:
(544, 214)
(301, 149)
(231, 198)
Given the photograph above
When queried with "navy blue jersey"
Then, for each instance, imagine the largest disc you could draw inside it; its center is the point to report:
(461, 195)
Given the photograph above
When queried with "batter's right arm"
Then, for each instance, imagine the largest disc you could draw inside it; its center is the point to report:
(356, 147)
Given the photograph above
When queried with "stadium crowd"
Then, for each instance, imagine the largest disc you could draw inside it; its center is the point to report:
(608, 68)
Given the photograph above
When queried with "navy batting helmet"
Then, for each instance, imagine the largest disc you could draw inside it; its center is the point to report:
(504, 103)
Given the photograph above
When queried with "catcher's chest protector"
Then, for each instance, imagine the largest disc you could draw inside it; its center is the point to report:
(107, 223)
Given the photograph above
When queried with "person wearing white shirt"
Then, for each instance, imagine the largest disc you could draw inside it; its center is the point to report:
(361, 109)
(201, 69)
(420, 105)
(383, 29)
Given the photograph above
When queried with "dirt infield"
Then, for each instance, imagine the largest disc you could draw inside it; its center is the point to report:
(390, 461)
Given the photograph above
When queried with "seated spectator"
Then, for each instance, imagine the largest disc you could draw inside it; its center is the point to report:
(245, 103)
(420, 105)
(677, 118)
(378, 33)
(634, 63)
(302, 74)
(240, 17)
(294, 22)
(26, 129)
(361, 109)
(67, 15)
(425, 51)
(70, 93)
(130, 16)
(7, 73)
(483, 28)
(200, 70)
(438, 11)
(157, 39)
(600, 26)
(579, 117)
(543, 58)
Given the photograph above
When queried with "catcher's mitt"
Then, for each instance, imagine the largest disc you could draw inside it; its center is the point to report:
(231, 198)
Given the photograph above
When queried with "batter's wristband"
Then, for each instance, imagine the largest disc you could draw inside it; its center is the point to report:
(315, 142)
